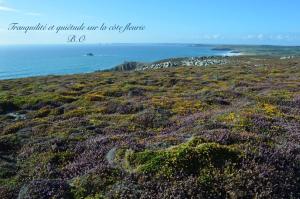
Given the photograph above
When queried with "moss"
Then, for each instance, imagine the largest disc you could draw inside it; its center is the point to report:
(141, 158)
(189, 158)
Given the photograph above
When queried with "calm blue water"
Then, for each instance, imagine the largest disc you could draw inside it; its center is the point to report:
(25, 61)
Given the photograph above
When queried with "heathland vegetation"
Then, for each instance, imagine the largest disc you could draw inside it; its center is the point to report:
(217, 131)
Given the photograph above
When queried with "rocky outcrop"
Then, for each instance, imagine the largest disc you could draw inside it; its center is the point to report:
(287, 57)
(127, 66)
(175, 62)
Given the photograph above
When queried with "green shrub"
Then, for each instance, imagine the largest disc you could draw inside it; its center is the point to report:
(189, 158)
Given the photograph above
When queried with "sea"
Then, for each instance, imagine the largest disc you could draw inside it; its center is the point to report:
(18, 61)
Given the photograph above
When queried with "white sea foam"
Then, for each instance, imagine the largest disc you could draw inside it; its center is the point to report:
(231, 54)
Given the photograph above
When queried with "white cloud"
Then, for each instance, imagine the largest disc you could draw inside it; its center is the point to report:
(273, 37)
(216, 36)
(260, 36)
(279, 37)
(282, 37)
(7, 9)
(211, 36)
(254, 36)
(33, 14)
(250, 37)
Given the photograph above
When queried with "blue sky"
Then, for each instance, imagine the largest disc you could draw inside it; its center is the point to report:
(166, 21)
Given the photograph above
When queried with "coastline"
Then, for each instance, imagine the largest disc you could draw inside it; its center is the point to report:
(205, 61)
(36, 60)
(165, 63)
(222, 51)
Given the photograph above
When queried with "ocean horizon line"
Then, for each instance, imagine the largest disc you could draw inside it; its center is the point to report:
(146, 43)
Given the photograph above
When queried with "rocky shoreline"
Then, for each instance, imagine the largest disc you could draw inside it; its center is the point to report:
(173, 62)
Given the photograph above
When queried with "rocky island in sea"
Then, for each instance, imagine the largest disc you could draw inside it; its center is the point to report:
(205, 127)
